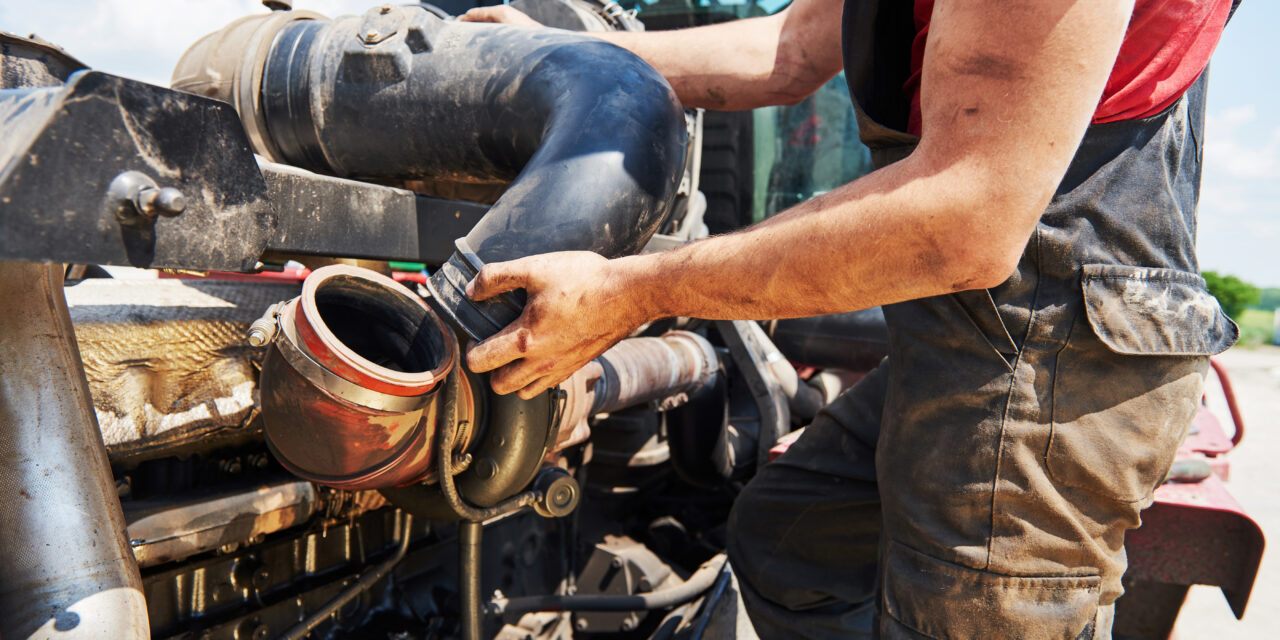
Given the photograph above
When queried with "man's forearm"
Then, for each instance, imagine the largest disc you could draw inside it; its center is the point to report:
(730, 66)
(743, 64)
(897, 234)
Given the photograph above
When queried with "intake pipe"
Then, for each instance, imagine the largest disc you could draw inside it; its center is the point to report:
(590, 138)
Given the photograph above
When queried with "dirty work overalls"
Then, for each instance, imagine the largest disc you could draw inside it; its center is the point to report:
(979, 483)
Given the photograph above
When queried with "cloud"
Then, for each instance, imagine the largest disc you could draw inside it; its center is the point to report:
(141, 39)
(1227, 154)
(1240, 196)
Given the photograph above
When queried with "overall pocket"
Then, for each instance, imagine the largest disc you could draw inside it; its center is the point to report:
(937, 599)
(1128, 380)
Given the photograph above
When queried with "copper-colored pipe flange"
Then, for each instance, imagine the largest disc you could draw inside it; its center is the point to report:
(349, 385)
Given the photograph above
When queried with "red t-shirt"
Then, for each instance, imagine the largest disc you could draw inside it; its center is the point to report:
(1167, 46)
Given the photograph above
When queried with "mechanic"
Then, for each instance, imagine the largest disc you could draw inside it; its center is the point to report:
(979, 483)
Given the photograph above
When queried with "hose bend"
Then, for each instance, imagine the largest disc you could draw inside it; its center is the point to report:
(589, 136)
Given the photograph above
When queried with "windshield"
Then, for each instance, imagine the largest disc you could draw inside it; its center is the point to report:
(799, 151)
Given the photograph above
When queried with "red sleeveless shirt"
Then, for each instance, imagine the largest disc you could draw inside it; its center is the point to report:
(1166, 47)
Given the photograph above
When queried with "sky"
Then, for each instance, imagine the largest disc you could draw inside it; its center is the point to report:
(1240, 198)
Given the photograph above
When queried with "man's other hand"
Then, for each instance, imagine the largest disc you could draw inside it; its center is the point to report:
(501, 14)
(577, 308)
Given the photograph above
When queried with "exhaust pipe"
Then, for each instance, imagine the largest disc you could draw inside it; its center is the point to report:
(590, 138)
(348, 385)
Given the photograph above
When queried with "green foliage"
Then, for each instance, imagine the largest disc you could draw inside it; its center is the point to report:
(1256, 327)
(1232, 293)
(1269, 301)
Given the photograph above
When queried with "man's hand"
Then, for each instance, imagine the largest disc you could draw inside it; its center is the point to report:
(577, 308)
(501, 14)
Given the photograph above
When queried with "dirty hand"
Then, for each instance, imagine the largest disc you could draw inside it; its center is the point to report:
(576, 309)
(501, 14)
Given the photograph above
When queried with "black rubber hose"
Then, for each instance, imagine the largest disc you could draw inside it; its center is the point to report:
(469, 534)
(589, 136)
(698, 583)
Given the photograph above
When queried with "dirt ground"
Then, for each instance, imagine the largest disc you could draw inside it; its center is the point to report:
(1255, 482)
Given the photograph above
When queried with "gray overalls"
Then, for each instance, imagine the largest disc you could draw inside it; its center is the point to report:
(979, 483)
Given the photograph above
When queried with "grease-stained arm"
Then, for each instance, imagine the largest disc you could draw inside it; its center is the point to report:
(743, 64)
(1008, 88)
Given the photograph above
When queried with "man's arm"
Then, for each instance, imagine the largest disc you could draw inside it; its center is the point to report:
(1009, 87)
(744, 64)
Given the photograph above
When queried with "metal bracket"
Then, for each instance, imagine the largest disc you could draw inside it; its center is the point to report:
(747, 351)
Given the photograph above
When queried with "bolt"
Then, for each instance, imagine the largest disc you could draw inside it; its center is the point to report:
(257, 337)
(486, 468)
(259, 334)
(160, 202)
(580, 624)
(262, 632)
(261, 577)
(629, 624)
(263, 330)
(562, 496)
(616, 563)
(460, 463)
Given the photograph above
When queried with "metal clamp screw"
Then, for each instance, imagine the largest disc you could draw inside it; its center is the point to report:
(263, 330)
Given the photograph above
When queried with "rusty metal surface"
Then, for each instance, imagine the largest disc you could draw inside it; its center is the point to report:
(167, 360)
(1196, 533)
(347, 386)
(64, 561)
